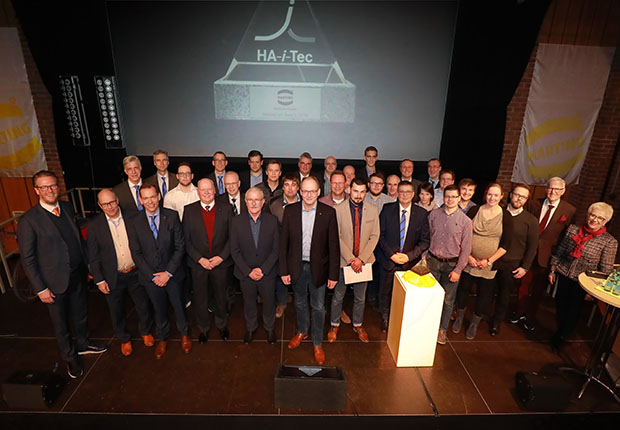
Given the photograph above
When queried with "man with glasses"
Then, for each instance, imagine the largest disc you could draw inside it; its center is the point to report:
(554, 215)
(128, 192)
(404, 237)
(184, 193)
(305, 169)
(114, 271)
(54, 260)
(447, 256)
(375, 194)
(309, 260)
(371, 154)
(219, 163)
(446, 177)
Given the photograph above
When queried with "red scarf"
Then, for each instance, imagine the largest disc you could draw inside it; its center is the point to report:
(581, 238)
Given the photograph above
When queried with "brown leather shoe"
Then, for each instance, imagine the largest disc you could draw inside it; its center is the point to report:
(296, 340)
(161, 349)
(319, 354)
(148, 340)
(332, 334)
(126, 349)
(280, 310)
(186, 344)
(361, 333)
(345, 318)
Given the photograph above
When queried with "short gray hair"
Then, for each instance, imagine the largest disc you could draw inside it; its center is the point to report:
(556, 179)
(257, 189)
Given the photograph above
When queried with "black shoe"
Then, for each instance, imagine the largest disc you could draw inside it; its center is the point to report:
(557, 344)
(247, 337)
(74, 369)
(271, 336)
(202, 338)
(93, 349)
(528, 325)
(224, 333)
(515, 319)
(494, 329)
(384, 326)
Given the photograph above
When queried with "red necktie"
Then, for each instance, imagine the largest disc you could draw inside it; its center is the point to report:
(56, 211)
(356, 233)
(543, 222)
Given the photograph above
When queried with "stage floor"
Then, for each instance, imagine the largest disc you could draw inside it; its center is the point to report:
(227, 377)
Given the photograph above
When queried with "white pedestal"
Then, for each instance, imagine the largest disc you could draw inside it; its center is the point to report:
(414, 322)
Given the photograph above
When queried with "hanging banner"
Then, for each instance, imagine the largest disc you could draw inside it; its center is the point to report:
(562, 107)
(21, 152)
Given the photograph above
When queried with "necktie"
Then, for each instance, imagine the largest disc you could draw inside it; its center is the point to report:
(403, 222)
(56, 211)
(545, 220)
(220, 185)
(153, 225)
(164, 188)
(234, 203)
(137, 187)
(356, 232)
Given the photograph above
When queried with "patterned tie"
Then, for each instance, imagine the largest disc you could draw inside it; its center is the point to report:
(220, 185)
(403, 223)
(137, 187)
(164, 188)
(56, 211)
(356, 232)
(153, 225)
(545, 220)
(234, 204)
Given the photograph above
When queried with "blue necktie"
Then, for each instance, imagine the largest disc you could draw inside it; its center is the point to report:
(220, 185)
(153, 225)
(137, 187)
(403, 223)
(164, 188)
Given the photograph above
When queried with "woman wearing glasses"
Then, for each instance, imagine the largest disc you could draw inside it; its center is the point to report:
(582, 248)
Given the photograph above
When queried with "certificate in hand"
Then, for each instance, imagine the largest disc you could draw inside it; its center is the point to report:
(350, 277)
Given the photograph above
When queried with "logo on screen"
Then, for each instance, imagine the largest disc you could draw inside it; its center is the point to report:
(285, 97)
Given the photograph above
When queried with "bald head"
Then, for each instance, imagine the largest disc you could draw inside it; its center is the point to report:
(108, 202)
(232, 183)
(206, 191)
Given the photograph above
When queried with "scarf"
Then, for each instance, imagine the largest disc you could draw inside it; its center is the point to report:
(581, 238)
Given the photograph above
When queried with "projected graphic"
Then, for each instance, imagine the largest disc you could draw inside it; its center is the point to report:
(284, 70)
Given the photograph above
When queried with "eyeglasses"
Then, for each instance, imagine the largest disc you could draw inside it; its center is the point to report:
(451, 197)
(309, 191)
(47, 187)
(555, 190)
(596, 218)
(376, 183)
(405, 192)
(520, 196)
(108, 204)
(185, 174)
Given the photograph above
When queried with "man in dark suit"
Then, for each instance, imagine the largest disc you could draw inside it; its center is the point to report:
(233, 196)
(206, 225)
(254, 240)
(256, 174)
(370, 164)
(554, 216)
(53, 256)
(128, 191)
(162, 179)
(217, 176)
(404, 237)
(305, 169)
(310, 260)
(113, 270)
(157, 247)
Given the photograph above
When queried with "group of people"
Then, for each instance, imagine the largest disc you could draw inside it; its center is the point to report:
(160, 238)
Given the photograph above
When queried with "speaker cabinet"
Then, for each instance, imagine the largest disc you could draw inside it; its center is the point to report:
(28, 389)
(543, 392)
(310, 387)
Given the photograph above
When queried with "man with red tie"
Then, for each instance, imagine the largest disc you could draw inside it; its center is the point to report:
(553, 215)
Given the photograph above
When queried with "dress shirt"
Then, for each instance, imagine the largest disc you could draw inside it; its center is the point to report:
(237, 202)
(545, 208)
(50, 208)
(407, 216)
(327, 188)
(209, 206)
(132, 188)
(217, 177)
(380, 201)
(435, 182)
(255, 180)
(370, 171)
(307, 226)
(451, 236)
(121, 243)
(470, 205)
(177, 199)
(255, 228)
(438, 199)
(160, 182)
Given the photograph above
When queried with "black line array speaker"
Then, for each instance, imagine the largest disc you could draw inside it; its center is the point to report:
(310, 387)
(543, 392)
(28, 389)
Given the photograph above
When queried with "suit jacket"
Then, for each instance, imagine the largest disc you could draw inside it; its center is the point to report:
(196, 239)
(325, 249)
(125, 198)
(549, 238)
(244, 177)
(44, 253)
(102, 254)
(416, 241)
(246, 255)
(363, 174)
(214, 179)
(164, 254)
(369, 235)
(172, 182)
(223, 200)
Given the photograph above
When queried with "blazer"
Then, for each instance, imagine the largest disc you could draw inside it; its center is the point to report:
(416, 241)
(196, 239)
(325, 249)
(125, 198)
(164, 254)
(223, 200)
(363, 174)
(45, 255)
(214, 179)
(246, 255)
(549, 238)
(244, 177)
(172, 182)
(369, 235)
(102, 254)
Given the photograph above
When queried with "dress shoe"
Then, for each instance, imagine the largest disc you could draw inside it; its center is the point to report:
(202, 337)
(126, 349)
(557, 343)
(332, 334)
(528, 325)
(160, 350)
(247, 337)
(224, 333)
(516, 318)
(361, 333)
(148, 340)
(271, 336)
(494, 331)
(384, 326)
(280, 310)
(186, 344)
(296, 340)
(74, 369)
(93, 349)
(319, 354)
(345, 318)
